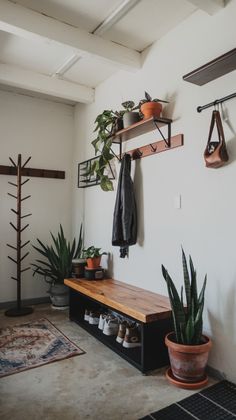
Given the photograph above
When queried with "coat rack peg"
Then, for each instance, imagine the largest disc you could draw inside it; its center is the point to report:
(25, 198)
(14, 227)
(14, 211)
(12, 183)
(12, 161)
(24, 228)
(11, 246)
(153, 148)
(26, 162)
(26, 243)
(26, 215)
(12, 195)
(25, 269)
(12, 259)
(137, 154)
(13, 278)
(22, 258)
(27, 180)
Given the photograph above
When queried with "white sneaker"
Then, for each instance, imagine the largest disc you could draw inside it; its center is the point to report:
(86, 315)
(111, 326)
(102, 321)
(94, 318)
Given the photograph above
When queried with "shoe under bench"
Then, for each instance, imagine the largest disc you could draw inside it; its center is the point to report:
(150, 310)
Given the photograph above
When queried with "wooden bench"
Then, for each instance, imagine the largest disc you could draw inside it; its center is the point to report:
(150, 310)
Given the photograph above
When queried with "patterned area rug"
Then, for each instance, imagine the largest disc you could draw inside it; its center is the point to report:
(33, 344)
(218, 402)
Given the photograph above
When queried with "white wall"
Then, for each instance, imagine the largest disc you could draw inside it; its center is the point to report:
(205, 225)
(43, 130)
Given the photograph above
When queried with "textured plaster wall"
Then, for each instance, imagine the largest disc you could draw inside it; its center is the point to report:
(205, 225)
(43, 130)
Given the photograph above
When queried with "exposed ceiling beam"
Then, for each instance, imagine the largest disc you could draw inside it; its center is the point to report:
(29, 80)
(115, 16)
(209, 6)
(29, 24)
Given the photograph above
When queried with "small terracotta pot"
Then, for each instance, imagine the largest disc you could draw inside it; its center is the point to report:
(151, 109)
(94, 262)
(188, 362)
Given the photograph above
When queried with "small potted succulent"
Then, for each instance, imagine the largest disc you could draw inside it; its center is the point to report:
(93, 256)
(150, 107)
(187, 346)
(130, 117)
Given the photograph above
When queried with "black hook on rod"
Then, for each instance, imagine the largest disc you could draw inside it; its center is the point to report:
(216, 102)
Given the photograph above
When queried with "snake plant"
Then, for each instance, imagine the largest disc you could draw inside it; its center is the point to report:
(187, 318)
(57, 262)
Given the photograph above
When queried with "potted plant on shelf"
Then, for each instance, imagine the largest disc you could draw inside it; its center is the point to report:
(107, 123)
(93, 256)
(150, 107)
(130, 117)
(57, 265)
(188, 348)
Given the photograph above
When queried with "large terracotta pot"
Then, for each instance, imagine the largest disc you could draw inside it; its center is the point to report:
(151, 109)
(94, 262)
(188, 362)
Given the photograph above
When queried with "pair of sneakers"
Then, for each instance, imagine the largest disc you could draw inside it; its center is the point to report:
(128, 335)
(108, 324)
(92, 317)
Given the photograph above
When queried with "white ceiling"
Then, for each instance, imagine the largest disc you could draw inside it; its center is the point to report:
(24, 48)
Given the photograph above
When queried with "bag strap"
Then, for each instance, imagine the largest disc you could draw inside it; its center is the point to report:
(220, 128)
(216, 120)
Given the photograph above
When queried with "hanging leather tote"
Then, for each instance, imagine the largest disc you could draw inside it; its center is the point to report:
(216, 154)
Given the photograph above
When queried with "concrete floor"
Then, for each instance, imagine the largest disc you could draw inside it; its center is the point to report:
(97, 385)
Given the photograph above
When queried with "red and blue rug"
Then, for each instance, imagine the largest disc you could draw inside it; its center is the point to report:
(33, 344)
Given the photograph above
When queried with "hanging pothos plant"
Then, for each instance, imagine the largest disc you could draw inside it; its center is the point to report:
(107, 123)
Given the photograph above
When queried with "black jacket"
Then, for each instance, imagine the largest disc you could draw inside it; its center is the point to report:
(125, 213)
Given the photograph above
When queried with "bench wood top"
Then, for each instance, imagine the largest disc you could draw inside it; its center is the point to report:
(133, 301)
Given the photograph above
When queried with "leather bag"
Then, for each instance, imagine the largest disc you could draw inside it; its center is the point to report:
(216, 154)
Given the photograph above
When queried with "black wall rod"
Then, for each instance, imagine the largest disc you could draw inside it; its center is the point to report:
(216, 102)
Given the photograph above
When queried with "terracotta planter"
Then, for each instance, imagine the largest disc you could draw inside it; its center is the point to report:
(188, 362)
(151, 109)
(94, 262)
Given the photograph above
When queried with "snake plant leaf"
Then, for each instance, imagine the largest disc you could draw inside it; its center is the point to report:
(186, 280)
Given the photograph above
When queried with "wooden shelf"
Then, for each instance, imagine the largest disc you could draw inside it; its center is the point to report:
(212, 70)
(139, 128)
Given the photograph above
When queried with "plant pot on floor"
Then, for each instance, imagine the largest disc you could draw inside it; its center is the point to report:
(59, 295)
(188, 362)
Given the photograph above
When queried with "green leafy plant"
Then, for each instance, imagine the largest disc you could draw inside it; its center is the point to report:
(93, 252)
(187, 318)
(148, 98)
(106, 126)
(129, 106)
(57, 263)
